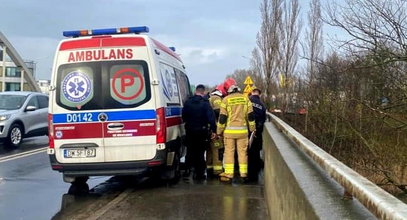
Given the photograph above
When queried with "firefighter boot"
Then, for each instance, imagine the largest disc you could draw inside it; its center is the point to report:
(225, 177)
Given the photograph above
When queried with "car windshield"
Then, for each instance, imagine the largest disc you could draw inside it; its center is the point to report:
(11, 102)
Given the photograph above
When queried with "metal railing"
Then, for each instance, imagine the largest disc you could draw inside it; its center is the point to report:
(382, 204)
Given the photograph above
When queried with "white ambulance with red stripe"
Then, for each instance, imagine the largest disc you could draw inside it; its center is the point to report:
(115, 105)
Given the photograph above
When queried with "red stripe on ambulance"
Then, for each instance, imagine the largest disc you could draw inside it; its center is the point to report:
(173, 121)
(95, 130)
(102, 42)
(123, 41)
(80, 44)
(132, 129)
(77, 131)
(166, 49)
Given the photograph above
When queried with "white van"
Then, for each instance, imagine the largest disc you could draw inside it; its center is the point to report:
(115, 105)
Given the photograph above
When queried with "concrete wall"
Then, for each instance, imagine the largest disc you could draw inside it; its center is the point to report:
(296, 188)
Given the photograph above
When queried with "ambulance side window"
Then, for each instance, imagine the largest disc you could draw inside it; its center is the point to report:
(183, 83)
(169, 84)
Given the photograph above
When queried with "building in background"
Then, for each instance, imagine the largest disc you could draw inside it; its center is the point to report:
(44, 85)
(15, 73)
(14, 79)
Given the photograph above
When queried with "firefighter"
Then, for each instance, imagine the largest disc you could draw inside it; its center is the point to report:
(200, 126)
(236, 119)
(255, 162)
(213, 156)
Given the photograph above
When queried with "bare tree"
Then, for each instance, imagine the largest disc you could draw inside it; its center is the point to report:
(256, 66)
(268, 41)
(375, 26)
(312, 50)
(314, 40)
(290, 29)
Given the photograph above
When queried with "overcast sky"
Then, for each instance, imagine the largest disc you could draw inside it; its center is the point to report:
(214, 37)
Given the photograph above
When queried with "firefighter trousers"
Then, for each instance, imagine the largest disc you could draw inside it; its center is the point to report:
(229, 156)
(212, 156)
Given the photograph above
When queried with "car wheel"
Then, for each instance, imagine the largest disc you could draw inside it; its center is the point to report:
(15, 136)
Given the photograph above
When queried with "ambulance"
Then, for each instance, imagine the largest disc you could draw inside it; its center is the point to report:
(115, 105)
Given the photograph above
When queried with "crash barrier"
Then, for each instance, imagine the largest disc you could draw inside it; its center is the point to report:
(304, 182)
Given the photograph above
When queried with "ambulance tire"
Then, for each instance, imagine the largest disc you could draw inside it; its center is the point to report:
(172, 174)
(79, 186)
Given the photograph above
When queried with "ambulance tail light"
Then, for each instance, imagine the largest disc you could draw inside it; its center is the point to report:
(51, 131)
(161, 126)
(106, 31)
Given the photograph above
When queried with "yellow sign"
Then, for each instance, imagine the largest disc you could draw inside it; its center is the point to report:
(248, 81)
(282, 80)
(247, 89)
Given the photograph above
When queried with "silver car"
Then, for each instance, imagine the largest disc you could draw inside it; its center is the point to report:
(22, 114)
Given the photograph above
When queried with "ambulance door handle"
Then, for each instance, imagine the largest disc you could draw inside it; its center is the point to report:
(115, 126)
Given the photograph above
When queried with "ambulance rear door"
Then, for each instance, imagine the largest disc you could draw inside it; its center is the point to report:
(105, 97)
(129, 129)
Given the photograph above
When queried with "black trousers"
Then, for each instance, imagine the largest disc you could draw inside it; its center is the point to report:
(255, 163)
(197, 143)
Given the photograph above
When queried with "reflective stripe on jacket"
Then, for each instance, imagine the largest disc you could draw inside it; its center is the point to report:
(236, 116)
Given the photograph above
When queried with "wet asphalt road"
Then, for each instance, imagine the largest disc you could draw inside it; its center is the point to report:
(28, 144)
(29, 189)
(152, 200)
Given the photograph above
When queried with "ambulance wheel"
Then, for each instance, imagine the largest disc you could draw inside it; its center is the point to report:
(176, 170)
(172, 174)
(79, 186)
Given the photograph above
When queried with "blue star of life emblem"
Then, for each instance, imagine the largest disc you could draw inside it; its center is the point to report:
(76, 87)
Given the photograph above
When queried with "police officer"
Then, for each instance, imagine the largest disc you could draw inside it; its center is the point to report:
(213, 161)
(235, 121)
(255, 162)
(199, 125)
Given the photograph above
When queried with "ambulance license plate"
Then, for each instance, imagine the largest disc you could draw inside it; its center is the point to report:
(79, 153)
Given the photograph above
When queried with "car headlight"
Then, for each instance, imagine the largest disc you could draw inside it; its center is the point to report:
(4, 117)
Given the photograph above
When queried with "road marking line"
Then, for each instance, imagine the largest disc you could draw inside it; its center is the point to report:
(23, 154)
(109, 206)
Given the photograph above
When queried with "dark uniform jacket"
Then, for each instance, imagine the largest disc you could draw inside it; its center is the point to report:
(259, 113)
(198, 115)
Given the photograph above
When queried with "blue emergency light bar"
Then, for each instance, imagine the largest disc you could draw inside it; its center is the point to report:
(107, 31)
(172, 48)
